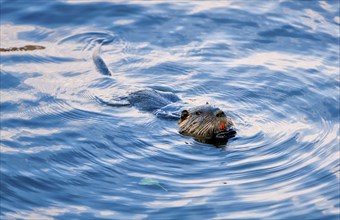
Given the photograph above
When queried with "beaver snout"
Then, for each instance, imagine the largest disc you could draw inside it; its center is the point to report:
(220, 114)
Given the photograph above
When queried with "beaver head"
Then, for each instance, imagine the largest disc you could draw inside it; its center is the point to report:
(206, 124)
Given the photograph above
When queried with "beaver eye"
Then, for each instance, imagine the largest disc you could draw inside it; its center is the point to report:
(198, 112)
(184, 114)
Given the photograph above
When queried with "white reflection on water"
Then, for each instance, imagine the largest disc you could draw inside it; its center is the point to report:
(297, 196)
(46, 213)
(30, 150)
(123, 22)
(327, 7)
(313, 19)
(279, 61)
(204, 6)
(337, 19)
(50, 213)
(168, 204)
(9, 34)
(249, 214)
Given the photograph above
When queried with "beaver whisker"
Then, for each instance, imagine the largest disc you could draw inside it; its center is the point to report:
(202, 128)
(206, 129)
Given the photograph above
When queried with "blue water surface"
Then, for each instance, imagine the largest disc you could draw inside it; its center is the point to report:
(272, 66)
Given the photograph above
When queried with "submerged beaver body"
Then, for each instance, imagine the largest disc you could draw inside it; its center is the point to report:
(151, 100)
(206, 123)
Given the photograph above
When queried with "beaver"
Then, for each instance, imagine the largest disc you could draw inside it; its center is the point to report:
(205, 123)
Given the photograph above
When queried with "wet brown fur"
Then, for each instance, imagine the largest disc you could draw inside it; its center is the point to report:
(203, 122)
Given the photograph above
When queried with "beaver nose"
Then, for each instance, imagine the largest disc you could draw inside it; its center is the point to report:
(220, 113)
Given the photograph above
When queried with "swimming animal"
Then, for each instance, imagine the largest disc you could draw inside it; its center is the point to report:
(206, 123)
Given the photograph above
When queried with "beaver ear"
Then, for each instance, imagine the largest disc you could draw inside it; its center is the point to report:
(184, 114)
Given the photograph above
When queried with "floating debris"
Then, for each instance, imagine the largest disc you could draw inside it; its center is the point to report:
(150, 182)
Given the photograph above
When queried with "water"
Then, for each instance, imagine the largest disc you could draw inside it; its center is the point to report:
(273, 66)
